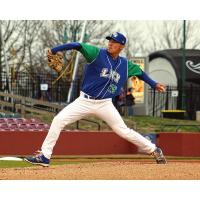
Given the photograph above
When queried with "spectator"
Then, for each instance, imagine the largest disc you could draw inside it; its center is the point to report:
(119, 101)
(130, 101)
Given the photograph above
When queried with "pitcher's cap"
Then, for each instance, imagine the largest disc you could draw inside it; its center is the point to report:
(118, 37)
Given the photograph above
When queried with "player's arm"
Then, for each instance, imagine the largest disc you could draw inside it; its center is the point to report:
(135, 70)
(89, 52)
(147, 79)
(158, 86)
(65, 47)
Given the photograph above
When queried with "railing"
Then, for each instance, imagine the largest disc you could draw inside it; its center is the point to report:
(90, 121)
(28, 85)
(161, 101)
(171, 100)
(24, 105)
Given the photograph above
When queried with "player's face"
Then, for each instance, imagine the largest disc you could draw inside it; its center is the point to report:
(114, 48)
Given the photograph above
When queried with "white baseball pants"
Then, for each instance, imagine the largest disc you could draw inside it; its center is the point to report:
(105, 110)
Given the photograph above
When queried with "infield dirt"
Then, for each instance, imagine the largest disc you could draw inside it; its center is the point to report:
(109, 170)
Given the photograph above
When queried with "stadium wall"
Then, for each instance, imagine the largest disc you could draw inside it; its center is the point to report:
(96, 143)
(69, 143)
(180, 144)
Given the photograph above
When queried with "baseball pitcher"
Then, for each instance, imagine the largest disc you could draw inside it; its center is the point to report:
(105, 73)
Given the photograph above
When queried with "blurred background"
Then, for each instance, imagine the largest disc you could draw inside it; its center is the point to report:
(166, 50)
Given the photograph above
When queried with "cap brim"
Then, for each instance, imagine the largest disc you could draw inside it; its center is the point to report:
(108, 38)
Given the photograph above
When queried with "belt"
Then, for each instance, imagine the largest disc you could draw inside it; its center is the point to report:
(89, 97)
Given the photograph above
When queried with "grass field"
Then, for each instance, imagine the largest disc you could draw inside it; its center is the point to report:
(69, 160)
(66, 160)
(63, 160)
(143, 124)
(16, 164)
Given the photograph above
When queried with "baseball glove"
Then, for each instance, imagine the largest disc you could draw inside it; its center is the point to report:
(55, 61)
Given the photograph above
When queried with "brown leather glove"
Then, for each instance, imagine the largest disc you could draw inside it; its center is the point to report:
(55, 61)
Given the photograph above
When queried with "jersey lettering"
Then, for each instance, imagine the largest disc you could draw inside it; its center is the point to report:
(113, 75)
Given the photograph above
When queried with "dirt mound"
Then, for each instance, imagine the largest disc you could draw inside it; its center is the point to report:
(115, 170)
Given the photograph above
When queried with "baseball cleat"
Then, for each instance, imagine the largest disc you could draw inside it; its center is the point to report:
(38, 159)
(158, 155)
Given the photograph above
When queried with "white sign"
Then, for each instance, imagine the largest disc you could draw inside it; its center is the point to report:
(175, 93)
(44, 87)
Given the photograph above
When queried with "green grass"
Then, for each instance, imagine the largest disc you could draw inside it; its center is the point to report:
(78, 160)
(13, 164)
(23, 164)
(143, 124)
(147, 124)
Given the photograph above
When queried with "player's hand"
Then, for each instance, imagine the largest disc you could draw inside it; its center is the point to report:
(160, 87)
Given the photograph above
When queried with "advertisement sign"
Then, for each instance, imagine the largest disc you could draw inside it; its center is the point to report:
(136, 83)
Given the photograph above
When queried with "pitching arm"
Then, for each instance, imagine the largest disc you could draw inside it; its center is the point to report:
(158, 86)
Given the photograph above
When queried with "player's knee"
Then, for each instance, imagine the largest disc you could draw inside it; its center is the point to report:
(57, 120)
(121, 128)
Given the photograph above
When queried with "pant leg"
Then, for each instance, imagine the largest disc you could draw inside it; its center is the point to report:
(111, 116)
(71, 113)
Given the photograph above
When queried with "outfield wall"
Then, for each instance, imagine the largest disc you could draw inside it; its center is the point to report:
(95, 143)
(180, 144)
(69, 143)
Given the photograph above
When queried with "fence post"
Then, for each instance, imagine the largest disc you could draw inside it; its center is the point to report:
(23, 107)
(154, 101)
(167, 98)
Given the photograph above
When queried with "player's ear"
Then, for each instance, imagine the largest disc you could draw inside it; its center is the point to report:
(121, 47)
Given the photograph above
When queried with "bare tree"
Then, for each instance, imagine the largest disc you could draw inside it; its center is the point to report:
(134, 31)
(59, 32)
(31, 44)
(145, 37)
(169, 35)
(26, 41)
(11, 35)
(192, 34)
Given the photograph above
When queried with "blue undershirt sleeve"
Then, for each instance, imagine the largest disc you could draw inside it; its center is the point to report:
(67, 46)
(147, 79)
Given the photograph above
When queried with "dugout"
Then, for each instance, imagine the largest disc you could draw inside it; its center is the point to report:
(166, 67)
